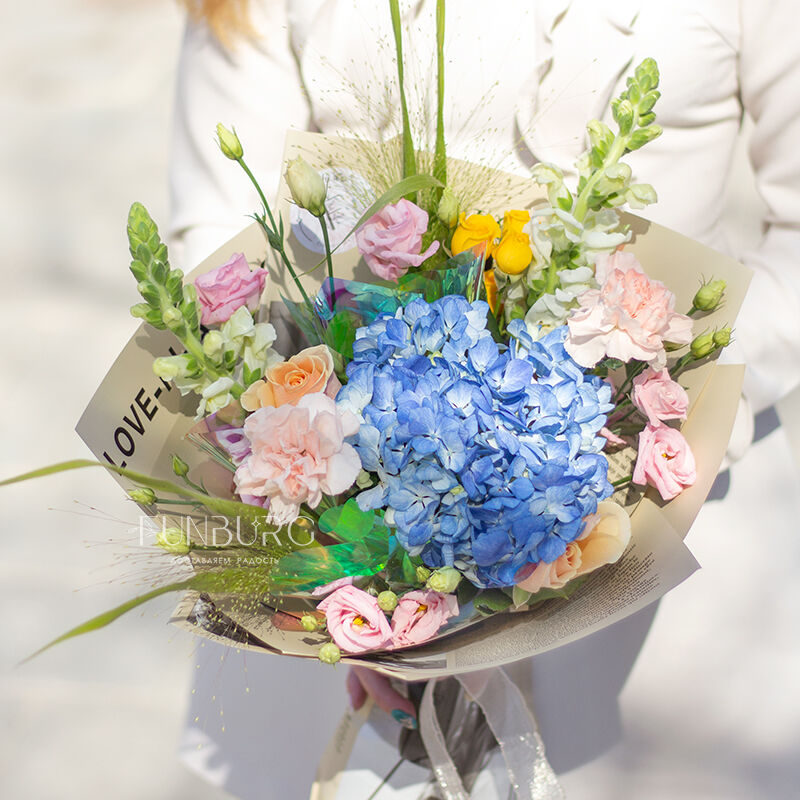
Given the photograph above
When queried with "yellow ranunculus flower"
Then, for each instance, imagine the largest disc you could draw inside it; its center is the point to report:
(476, 232)
(515, 221)
(513, 254)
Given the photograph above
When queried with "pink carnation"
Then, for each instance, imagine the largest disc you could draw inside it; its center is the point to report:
(629, 317)
(664, 461)
(227, 288)
(391, 240)
(298, 454)
(420, 614)
(355, 620)
(659, 397)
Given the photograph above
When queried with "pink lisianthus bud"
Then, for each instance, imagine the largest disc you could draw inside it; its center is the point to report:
(419, 615)
(391, 240)
(227, 288)
(659, 397)
(665, 461)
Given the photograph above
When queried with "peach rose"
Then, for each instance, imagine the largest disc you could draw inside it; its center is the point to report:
(665, 461)
(659, 397)
(629, 317)
(310, 371)
(605, 536)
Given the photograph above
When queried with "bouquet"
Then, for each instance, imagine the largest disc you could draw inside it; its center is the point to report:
(424, 417)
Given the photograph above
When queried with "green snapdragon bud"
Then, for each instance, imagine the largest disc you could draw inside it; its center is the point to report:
(709, 295)
(306, 185)
(309, 622)
(329, 653)
(722, 337)
(387, 601)
(703, 345)
(444, 580)
(229, 143)
(448, 208)
(144, 496)
(179, 466)
(174, 541)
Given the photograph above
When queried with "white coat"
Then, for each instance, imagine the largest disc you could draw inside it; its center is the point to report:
(522, 79)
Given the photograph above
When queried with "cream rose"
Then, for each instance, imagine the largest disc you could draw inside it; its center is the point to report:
(605, 536)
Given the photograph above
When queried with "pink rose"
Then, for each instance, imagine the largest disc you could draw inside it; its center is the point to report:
(629, 316)
(355, 621)
(665, 461)
(659, 397)
(391, 240)
(419, 615)
(298, 454)
(227, 288)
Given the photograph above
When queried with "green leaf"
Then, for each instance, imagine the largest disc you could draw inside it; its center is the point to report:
(492, 600)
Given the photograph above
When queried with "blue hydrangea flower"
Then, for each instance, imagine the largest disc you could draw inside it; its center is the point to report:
(487, 457)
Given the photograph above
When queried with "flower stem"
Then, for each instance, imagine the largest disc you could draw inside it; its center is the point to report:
(409, 158)
(328, 258)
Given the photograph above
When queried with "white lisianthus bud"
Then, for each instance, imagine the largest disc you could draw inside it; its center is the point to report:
(444, 580)
(329, 653)
(306, 185)
(174, 541)
(229, 143)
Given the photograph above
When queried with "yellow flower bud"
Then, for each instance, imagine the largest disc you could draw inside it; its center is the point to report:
(174, 541)
(229, 143)
(309, 622)
(143, 496)
(476, 232)
(703, 345)
(722, 337)
(513, 255)
(329, 653)
(709, 295)
(514, 221)
(444, 580)
(306, 185)
(448, 208)
(423, 573)
(387, 601)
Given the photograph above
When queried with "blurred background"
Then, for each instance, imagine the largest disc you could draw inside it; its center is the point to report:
(711, 710)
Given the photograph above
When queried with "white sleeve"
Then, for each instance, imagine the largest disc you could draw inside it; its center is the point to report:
(254, 87)
(768, 328)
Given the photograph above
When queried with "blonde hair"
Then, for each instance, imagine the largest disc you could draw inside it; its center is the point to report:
(227, 19)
